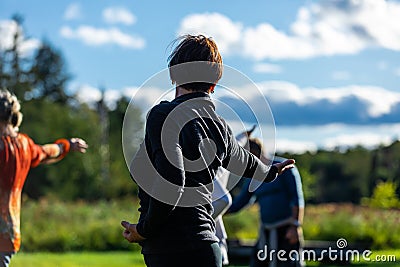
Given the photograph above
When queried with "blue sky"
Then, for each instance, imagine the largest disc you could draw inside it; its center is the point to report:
(329, 69)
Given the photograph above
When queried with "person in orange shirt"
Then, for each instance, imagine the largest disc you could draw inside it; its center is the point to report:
(19, 153)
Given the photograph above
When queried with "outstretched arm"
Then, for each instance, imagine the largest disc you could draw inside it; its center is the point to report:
(51, 153)
(242, 163)
(242, 200)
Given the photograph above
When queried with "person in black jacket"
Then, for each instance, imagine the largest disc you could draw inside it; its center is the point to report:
(185, 143)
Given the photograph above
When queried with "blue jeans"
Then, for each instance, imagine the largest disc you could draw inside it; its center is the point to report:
(5, 258)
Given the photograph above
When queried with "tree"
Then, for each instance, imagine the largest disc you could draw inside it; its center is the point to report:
(122, 184)
(384, 196)
(49, 74)
(50, 113)
(14, 67)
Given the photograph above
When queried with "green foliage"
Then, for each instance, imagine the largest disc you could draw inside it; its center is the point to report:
(77, 176)
(377, 227)
(121, 184)
(49, 74)
(347, 176)
(52, 225)
(370, 226)
(50, 113)
(384, 196)
(309, 181)
(244, 224)
(14, 67)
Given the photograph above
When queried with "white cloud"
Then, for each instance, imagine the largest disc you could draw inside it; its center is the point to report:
(114, 15)
(264, 41)
(379, 100)
(288, 138)
(295, 146)
(267, 68)
(322, 28)
(8, 29)
(340, 75)
(224, 31)
(298, 139)
(91, 95)
(88, 94)
(73, 11)
(294, 105)
(328, 28)
(142, 97)
(99, 36)
(368, 140)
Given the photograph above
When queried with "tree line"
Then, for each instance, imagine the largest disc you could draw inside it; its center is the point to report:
(50, 112)
(358, 175)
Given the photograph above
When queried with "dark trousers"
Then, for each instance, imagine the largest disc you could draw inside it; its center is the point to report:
(283, 244)
(208, 256)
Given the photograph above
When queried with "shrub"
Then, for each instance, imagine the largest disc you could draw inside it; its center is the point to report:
(53, 225)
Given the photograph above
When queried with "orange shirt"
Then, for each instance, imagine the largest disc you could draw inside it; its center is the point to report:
(17, 156)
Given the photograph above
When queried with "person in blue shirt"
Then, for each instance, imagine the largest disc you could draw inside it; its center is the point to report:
(281, 206)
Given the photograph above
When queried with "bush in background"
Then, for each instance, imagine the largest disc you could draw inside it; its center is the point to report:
(53, 225)
(373, 227)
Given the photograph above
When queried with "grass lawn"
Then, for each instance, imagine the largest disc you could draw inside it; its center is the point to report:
(134, 259)
(78, 259)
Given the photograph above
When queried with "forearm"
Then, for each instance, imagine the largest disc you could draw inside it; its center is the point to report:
(55, 152)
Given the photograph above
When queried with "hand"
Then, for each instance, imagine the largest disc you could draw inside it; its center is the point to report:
(286, 165)
(78, 145)
(130, 233)
(292, 234)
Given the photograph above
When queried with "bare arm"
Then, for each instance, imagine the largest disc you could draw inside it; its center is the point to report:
(57, 151)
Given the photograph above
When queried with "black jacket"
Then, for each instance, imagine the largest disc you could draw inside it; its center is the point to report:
(185, 143)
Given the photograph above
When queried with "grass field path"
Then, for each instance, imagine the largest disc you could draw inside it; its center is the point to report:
(133, 259)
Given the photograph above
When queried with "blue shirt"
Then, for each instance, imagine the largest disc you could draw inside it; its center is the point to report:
(276, 199)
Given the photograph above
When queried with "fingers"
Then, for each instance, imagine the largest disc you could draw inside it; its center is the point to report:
(125, 224)
(285, 165)
(78, 144)
(126, 233)
(289, 162)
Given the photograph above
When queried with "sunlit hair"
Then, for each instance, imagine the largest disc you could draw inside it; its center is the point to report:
(10, 109)
(255, 147)
(195, 77)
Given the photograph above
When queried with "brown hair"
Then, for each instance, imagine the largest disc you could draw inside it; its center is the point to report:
(206, 67)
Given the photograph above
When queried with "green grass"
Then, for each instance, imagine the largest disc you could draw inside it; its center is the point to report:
(135, 259)
(77, 259)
